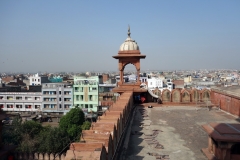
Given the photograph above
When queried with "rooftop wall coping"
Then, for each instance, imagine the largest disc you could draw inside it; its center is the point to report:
(86, 155)
(86, 146)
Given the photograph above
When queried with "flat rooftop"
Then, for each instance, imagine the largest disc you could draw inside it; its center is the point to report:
(173, 133)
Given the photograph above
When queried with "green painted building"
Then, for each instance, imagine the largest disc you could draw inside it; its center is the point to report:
(85, 93)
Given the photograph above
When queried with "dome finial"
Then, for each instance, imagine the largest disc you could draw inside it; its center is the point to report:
(129, 33)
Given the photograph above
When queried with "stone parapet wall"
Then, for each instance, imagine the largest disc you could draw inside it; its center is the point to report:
(179, 95)
(227, 102)
(100, 142)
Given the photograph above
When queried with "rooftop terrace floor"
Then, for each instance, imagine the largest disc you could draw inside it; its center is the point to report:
(179, 132)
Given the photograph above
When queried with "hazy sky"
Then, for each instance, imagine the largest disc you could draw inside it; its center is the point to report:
(83, 35)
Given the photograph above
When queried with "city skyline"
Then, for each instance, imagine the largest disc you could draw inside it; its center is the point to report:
(81, 36)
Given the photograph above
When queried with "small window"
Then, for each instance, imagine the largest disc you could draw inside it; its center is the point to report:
(37, 106)
(9, 105)
(66, 106)
(19, 106)
(37, 98)
(9, 97)
(28, 98)
(28, 106)
(90, 98)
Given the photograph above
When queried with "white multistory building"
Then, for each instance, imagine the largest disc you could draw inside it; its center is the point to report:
(154, 83)
(20, 101)
(35, 80)
(169, 85)
(57, 97)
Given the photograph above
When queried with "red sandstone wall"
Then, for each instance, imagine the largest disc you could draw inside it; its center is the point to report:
(105, 132)
(226, 102)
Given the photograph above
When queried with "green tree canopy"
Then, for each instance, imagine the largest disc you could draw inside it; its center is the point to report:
(22, 134)
(31, 127)
(86, 125)
(53, 140)
(12, 134)
(72, 122)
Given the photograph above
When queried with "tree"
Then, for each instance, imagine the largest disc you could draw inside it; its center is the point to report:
(11, 134)
(32, 128)
(22, 134)
(86, 125)
(29, 132)
(72, 121)
(53, 140)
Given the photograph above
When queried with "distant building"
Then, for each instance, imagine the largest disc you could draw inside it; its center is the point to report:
(8, 88)
(143, 79)
(55, 79)
(86, 93)
(132, 78)
(105, 78)
(157, 83)
(7, 79)
(20, 101)
(35, 80)
(154, 82)
(187, 79)
(38, 80)
(178, 83)
(57, 97)
(125, 79)
(106, 87)
(169, 85)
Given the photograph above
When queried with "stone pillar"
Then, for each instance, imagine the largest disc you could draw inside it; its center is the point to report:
(121, 77)
(138, 74)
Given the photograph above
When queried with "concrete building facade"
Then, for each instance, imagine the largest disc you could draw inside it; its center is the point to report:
(154, 83)
(35, 80)
(57, 97)
(20, 101)
(86, 93)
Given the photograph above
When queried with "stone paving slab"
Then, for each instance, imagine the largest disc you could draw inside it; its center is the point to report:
(180, 132)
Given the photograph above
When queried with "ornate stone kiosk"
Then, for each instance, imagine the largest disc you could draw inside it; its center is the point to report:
(129, 53)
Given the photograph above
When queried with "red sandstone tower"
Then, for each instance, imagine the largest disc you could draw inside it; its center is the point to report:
(128, 53)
